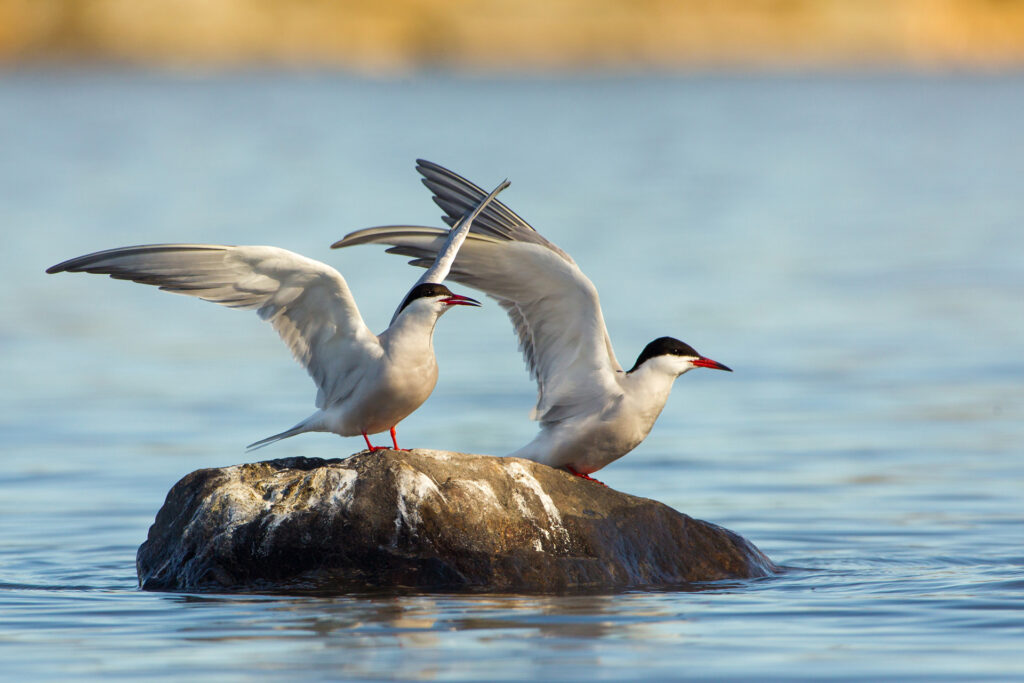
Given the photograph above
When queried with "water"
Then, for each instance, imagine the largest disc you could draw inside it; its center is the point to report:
(851, 246)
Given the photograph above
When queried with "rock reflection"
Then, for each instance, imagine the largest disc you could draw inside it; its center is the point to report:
(416, 621)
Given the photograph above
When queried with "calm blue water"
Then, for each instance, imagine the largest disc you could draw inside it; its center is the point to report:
(852, 246)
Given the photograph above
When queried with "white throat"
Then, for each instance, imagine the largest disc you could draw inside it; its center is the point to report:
(413, 330)
(650, 384)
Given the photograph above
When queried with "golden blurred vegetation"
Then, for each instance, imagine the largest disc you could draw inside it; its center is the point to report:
(393, 35)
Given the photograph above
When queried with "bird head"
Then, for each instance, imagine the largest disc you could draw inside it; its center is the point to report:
(431, 297)
(674, 357)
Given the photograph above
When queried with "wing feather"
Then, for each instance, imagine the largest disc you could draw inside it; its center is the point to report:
(456, 196)
(437, 271)
(554, 308)
(307, 302)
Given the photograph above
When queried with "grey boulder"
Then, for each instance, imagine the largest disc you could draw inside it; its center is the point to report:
(430, 520)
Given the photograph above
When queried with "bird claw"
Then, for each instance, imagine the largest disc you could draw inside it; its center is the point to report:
(585, 476)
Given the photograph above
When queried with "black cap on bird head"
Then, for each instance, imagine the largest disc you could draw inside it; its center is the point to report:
(670, 346)
(434, 289)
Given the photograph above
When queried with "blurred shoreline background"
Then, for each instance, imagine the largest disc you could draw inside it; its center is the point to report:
(518, 35)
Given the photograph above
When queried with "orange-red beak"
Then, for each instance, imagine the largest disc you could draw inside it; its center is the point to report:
(459, 300)
(703, 362)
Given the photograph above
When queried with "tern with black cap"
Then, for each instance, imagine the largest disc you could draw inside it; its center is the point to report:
(590, 410)
(366, 383)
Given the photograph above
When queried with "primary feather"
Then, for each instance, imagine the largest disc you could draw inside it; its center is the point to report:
(553, 306)
(308, 303)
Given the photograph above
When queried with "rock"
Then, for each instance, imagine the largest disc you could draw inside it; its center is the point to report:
(429, 520)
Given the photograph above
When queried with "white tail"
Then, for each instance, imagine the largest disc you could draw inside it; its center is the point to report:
(300, 428)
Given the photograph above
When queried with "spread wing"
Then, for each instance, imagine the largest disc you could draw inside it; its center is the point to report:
(438, 270)
(307, 302)
(553, 306)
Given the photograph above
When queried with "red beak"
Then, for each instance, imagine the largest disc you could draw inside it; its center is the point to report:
(703, 362)
(459, 300)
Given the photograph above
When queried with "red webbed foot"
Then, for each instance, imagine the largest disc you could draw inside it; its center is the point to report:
(585, 476)
(370, 447)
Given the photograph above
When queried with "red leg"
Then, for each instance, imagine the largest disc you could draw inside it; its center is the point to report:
(585, 476)
(370, 446)
(394, 441)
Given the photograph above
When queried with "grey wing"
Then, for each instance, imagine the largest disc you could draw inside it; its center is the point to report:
(553, 307)
(308, 302)
(452, 193)
(456, 196)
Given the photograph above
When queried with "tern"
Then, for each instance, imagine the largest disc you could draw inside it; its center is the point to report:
(591, 411)
(366, 383)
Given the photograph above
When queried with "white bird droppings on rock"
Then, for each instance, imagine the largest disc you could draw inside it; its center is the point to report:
(344, 490)
(479, 491)
(413, 488)
(522, 477)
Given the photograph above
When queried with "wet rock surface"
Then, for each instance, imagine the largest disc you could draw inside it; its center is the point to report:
(432, 520)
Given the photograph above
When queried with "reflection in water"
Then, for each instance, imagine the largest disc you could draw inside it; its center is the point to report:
(419, 636)
(586, 616)
(574, 629)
